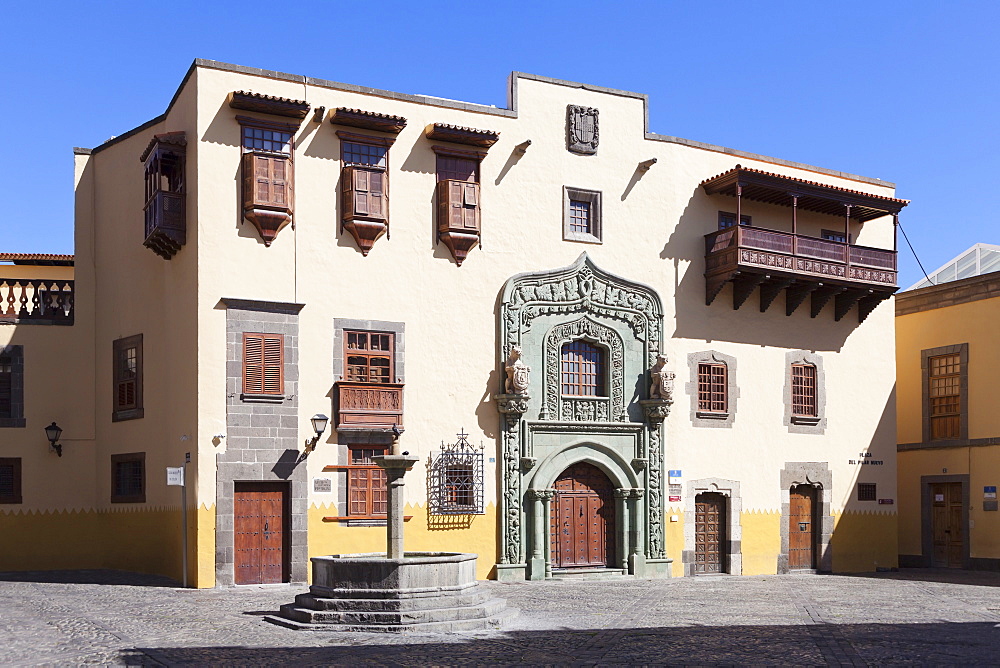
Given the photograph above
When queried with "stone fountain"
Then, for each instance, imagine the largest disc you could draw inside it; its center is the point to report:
(397, 591)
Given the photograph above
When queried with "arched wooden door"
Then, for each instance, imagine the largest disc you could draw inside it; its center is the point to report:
(802, 527)
(583, 519)
(710, 533)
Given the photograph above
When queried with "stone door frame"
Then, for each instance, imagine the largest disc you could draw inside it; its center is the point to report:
(730, 489)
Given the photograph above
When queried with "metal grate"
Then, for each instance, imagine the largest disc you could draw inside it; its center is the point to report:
(866, 491)
(455, 479)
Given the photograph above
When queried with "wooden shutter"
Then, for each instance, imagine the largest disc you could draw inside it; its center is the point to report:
(470, 205)
(6, 388)
(267, 181)
(364, 193)
(127, 382)
(263, 368)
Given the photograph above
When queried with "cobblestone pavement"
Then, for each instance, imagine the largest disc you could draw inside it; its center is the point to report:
(923, 617)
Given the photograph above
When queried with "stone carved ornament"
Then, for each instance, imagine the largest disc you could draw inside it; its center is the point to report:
(582, 130)
(662, 385)
(517, 373)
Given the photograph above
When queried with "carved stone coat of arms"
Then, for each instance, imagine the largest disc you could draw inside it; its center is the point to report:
(581, 129)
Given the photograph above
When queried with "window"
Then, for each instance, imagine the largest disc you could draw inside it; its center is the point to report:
(581, 215)
(804, 390)
(263, 365)
(833, 235)
(368, 357)
(459, 482)
(10, 480)
(12, 386)
(267, 175)
(867, 491)
(366, 482)
(945, 395)
(727, 219)
(127, 378)
(128, 478)
(458, 201)
(712, 385)
(582, 370)
(364, 187)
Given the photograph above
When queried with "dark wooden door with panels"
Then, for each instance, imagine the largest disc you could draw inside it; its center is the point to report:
(260, 527)
(710, 534)
(583, 519)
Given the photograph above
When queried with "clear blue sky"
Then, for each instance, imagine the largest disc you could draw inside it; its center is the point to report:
(903, 91)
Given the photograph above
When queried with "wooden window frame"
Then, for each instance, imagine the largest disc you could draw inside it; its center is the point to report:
(867, 491)
(745, 220)
(713, 388)
(251, 388)
(599, 373)
(354, 472)
(368, 353)
(122, 410)
(15, 496)
(835, 236)
(805, 402)
(350, 170)
(939, 381)
(12, 414)
(595, 235)
(130, 457)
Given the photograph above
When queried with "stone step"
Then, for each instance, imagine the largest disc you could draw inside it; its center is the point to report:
(591, 574)
(492, 615)
(479, 595)
(311, 616)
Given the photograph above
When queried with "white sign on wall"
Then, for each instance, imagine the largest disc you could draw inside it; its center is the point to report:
(175, 476)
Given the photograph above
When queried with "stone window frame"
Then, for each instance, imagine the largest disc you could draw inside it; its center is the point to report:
(16, 419)
(962, 350)
(711, 419)
(819, 475)
(594, 198)
(805, 424)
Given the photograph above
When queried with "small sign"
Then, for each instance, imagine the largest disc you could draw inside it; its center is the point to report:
(175, 476)
(674, 476)
(939, 497)
(989, 491)
(675, 499)
(321, 485)
(675, 490)
(886, 502)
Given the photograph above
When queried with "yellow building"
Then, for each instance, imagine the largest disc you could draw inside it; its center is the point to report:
(947, 359)
(616, 353)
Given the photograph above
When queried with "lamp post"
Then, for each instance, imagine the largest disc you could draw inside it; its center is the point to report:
(53, 432)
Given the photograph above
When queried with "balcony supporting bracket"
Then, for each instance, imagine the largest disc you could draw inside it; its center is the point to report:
(797, 293)
(770, 289)
(867, 304)
(714, 285)
(821, 297)
(846, 300)
(743, 287)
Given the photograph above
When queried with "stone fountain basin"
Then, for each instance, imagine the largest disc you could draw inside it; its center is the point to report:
(375, 575)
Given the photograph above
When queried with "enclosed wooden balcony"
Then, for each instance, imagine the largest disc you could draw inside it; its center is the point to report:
(369, 406)
(801, 266)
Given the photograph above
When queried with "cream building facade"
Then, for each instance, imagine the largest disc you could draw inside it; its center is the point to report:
(602, 372)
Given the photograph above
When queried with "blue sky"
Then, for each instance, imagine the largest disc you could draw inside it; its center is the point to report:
(903, 91)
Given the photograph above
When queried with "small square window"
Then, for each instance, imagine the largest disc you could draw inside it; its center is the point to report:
(128, 478)
(582, 215)
(834, 235)
(727, 219)
(866, 491)
(10, 480)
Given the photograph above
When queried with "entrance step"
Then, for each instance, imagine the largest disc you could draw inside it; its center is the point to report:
(492, 613)
(591, 574)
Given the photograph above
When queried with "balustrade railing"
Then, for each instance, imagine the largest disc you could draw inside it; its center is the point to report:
(36, 301)
(798, 245)
(369, 405)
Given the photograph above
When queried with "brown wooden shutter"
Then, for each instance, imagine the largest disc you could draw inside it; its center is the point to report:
(455, 204)
(263, 367)
(376, 197)
(361, 195)
(267, 181)
(470, 204)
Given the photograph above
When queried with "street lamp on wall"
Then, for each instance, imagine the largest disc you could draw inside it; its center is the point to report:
(319, 422)
(53, 432)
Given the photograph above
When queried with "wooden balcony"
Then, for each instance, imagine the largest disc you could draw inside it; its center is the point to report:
(166, 226)
(369, 406)
(36, 301)
(801, 266)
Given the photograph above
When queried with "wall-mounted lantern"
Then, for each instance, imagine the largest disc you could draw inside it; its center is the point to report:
(319, 422)
(53, 432)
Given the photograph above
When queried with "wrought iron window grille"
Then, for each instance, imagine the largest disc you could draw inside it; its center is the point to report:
(455, 479)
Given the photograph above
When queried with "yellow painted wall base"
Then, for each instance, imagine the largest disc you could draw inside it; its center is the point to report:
(864, 542)
(673, 534)
(761, 543)
(423, 533)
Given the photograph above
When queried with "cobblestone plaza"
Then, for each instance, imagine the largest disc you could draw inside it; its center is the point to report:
(926, 617)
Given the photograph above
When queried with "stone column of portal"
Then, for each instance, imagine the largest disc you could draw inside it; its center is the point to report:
(637, 560)
(536, 564)
(547, 544)
(623, 534)
(395, 467)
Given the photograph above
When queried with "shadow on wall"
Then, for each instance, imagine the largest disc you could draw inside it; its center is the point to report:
(718, 322)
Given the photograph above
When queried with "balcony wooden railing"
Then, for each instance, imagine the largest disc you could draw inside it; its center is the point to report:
(166, 225)
(370, 406)
(804, 266)
(36, 301)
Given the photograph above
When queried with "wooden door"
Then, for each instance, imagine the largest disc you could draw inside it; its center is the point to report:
(260, 535)
(710, 533)
(583, 519)
(946, 525)
(802, 527)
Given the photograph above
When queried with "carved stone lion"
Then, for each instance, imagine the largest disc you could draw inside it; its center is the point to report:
(517, 373)
(662, 386)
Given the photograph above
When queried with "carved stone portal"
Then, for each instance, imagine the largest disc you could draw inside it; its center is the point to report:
(582, 133)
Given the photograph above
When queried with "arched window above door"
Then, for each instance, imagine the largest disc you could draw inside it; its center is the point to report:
(582, 369)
